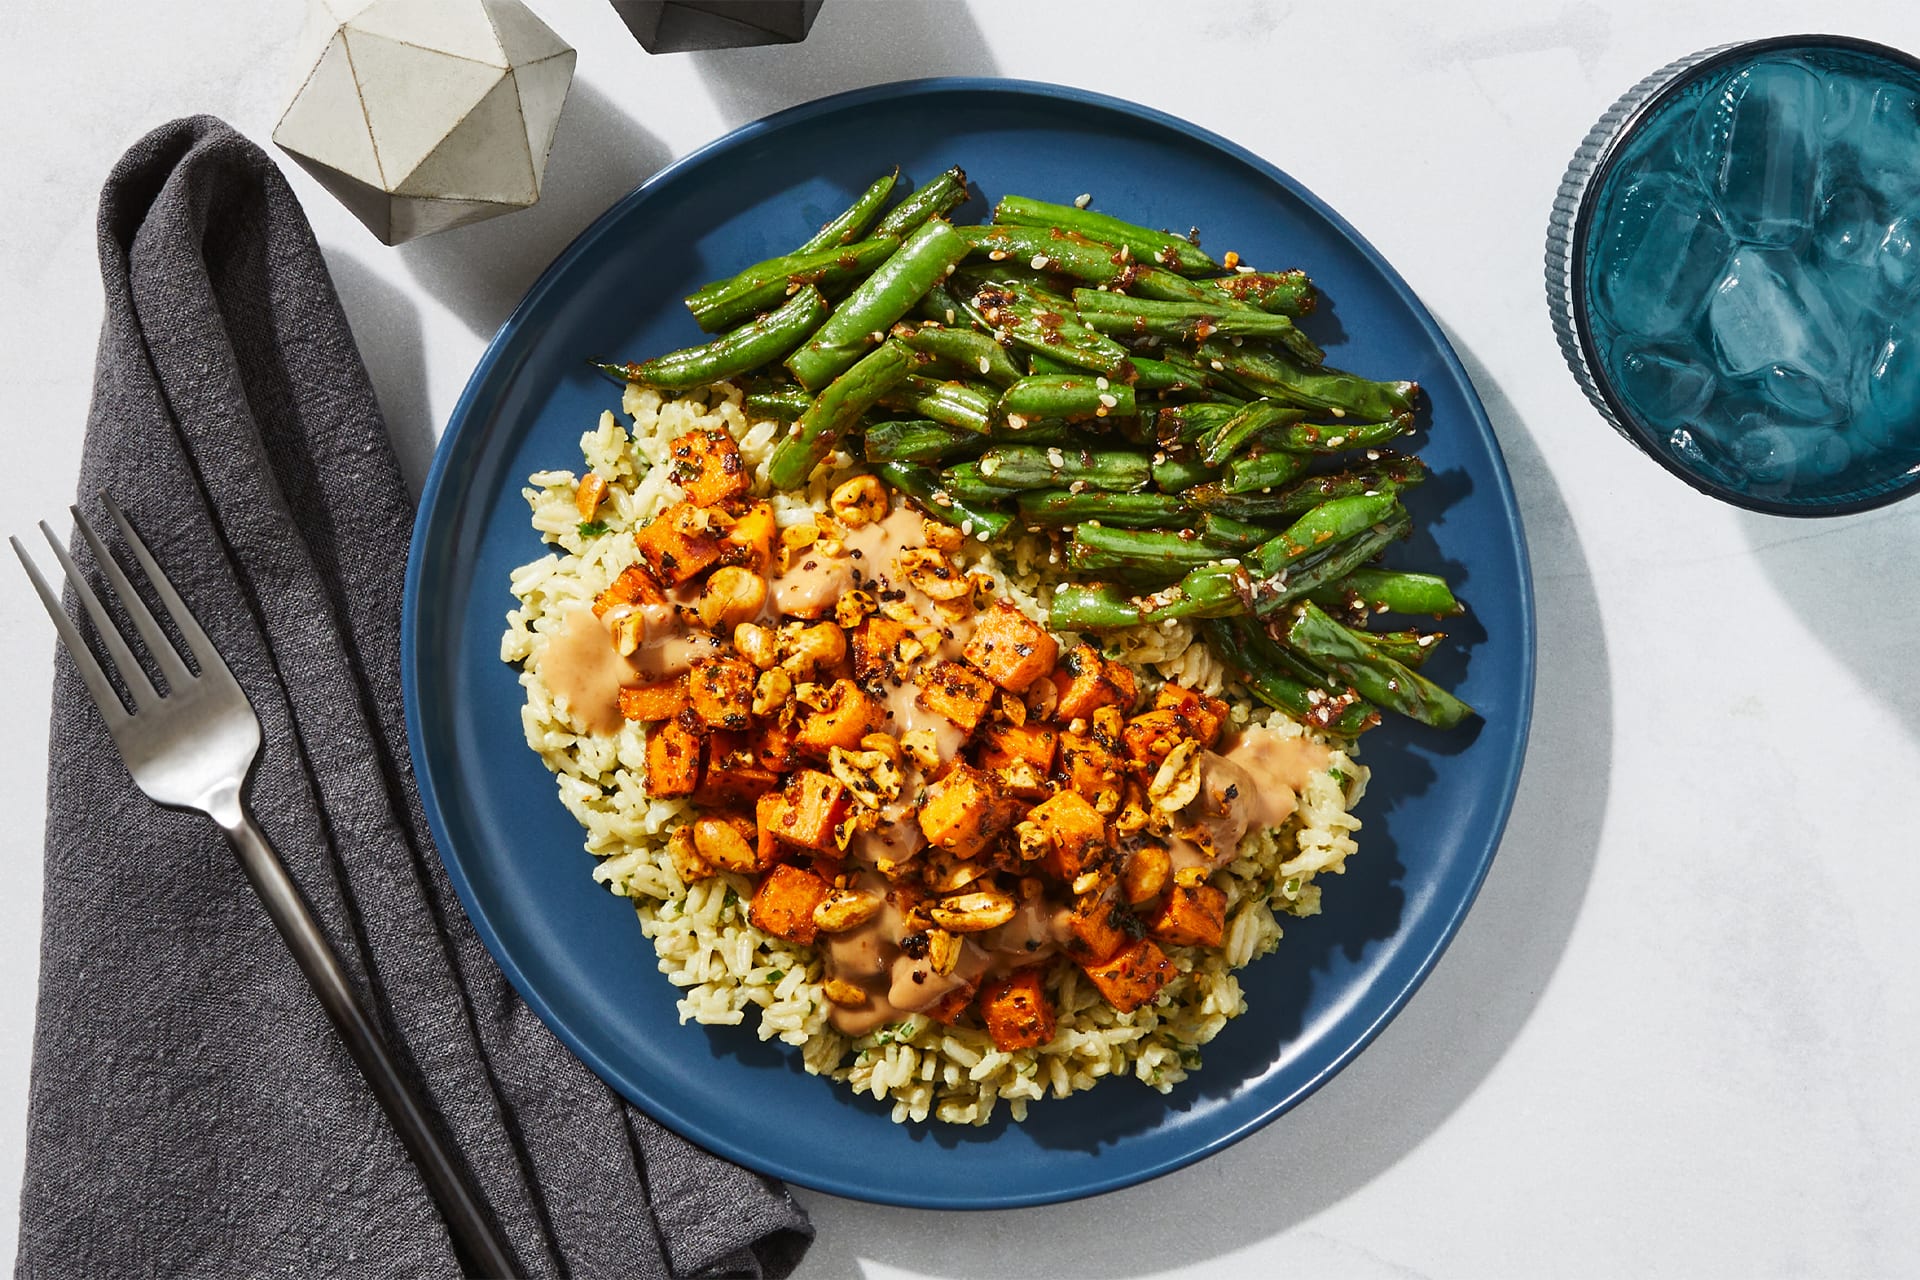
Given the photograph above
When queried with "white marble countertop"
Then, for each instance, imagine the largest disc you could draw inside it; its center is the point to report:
(1676, 1035)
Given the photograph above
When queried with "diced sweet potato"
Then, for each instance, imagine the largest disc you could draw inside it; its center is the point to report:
(876, 649)
(678, 543)
(1003, 745)
(948, 1008)
(1011, 648)
(965, 811)
(733, 773)
(661, 700)
(1203, 716)
(773, 746)
(1087, 681)
(673, 760)
(1097, 926)
(1133, 976)
(957, 692)
(1152, 734)
(720, 691)
(1088, 765)
(812, 806)
(750, 542)
(708, 465)
(769, 813)
(846, 716)
(783, 904)
(1017, 1012)
(1075, 832)
(633, 585)
(1194, 916)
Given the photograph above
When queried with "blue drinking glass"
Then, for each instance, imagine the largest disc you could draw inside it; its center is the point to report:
(1733, 269)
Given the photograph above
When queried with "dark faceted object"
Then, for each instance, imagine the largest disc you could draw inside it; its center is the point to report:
(680, 26)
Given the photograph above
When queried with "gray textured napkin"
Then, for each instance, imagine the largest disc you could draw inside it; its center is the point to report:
(192, 1111)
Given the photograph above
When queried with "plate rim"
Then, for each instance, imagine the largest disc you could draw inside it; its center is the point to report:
(1508, 771)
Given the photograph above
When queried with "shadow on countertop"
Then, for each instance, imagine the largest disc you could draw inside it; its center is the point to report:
(1846, 579)
(599, 154)
(852, 45)
(1423, 1067)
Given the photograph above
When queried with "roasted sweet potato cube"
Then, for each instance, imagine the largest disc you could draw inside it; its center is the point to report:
(1097, 926)
(957, 692)
(769, 813)
(1087, 681)
(1075, 832)
(783, 904)
(1152, 734)
(812, 807)
(773, 746)
(678, 543)
(948, 1008)
(965, 811)
(733, 773)
(876, 649)
(1088, 765)
(633, 585)
(1132, 976)
(1011, 648)
(660, 700)
(846, 716)
(750, 542)
(1017, 1012)
(673, 760)
(708, 465)
(1003, 745)
(1194, 916)
(1203, 716)
(720, 691)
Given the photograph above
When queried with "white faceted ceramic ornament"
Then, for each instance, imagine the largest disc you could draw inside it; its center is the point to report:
(420, 115)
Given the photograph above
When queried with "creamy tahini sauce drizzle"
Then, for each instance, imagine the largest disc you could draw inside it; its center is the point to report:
(1255, 784)
(581, 665)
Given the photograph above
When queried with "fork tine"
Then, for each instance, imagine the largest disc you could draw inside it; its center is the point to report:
(112, 710)
(131, 674)
(143, 620)
(199, 648)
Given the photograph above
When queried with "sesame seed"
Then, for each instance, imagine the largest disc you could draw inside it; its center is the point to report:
(949, 310)
(1082, 200)
(1101, 383)
(1110, 400)
(1218, 367)
(985, 364)
(966, 527)
(1244, 269)
(1336, 442)
(1039, 262)
(997, 255)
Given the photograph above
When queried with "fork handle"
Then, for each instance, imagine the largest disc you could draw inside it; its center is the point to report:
(482, 1249)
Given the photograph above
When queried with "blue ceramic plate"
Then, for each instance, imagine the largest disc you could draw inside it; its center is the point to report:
(1434, 813)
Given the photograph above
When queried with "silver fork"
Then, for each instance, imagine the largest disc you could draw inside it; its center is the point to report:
(192, 748)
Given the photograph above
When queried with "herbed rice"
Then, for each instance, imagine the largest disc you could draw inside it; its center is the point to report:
(723, 964)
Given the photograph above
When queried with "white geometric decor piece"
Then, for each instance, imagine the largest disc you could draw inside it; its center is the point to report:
(420, 115)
